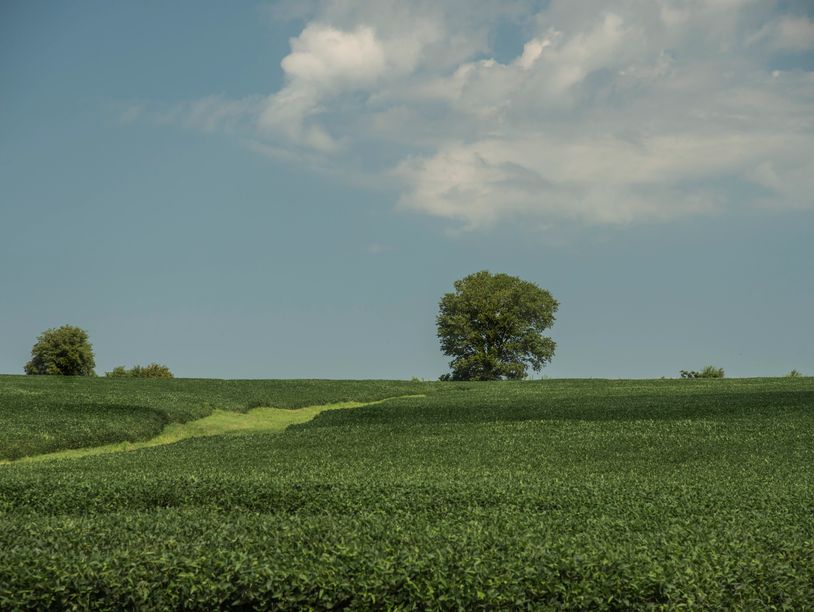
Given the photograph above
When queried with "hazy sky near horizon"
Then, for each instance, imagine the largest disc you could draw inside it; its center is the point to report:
(286, 189)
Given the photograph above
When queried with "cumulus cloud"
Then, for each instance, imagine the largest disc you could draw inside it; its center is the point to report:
(350, 48)
(632, 110)
(323, 61)
(324, 56)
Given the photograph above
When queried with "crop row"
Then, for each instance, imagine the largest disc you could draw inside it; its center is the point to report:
(197, 559)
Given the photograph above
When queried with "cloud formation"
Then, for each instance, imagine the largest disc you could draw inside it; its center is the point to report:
(787, 33)
(638, 110)
(323, 62)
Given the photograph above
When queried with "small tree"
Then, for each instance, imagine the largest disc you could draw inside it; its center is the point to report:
(62, 350)
(708, 372)
(153, 370)
(492, 326)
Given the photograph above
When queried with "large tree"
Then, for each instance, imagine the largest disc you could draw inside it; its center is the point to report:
(62, 350)
(492, 326)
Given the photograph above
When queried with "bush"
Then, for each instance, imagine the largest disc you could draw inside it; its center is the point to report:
(793, 374)
(62, 351)
(153, 370)
(708, 372)
(712, 372)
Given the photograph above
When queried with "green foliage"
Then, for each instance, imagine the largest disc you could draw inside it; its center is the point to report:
(794, 374)
(153, 370)
(62, 350)
(708, 372)
(556, 495)
(492, 326)
(712, 372)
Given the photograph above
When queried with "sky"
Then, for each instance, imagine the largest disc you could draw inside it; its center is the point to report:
(286, 189)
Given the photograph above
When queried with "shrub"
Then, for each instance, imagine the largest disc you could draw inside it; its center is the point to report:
(62, 351)
(712, 372)
(153, 370)
(708, 372)
(793, 374)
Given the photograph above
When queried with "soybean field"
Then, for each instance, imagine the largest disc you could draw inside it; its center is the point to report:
(575, 494)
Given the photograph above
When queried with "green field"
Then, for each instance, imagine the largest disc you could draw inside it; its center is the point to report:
(557, 493)
(41, 414)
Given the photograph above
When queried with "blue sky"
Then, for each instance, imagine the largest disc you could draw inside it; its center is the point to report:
(274, 190)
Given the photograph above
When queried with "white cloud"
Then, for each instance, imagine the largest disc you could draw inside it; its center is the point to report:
(638, 110)
(606, 179)
(323, 61)
(787, 34)
(325, 56)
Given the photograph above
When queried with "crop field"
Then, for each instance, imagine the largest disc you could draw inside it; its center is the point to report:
(43, 414)
(547, 494)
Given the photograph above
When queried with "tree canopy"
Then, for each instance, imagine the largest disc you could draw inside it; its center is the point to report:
(492, 326)
(62, 350)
